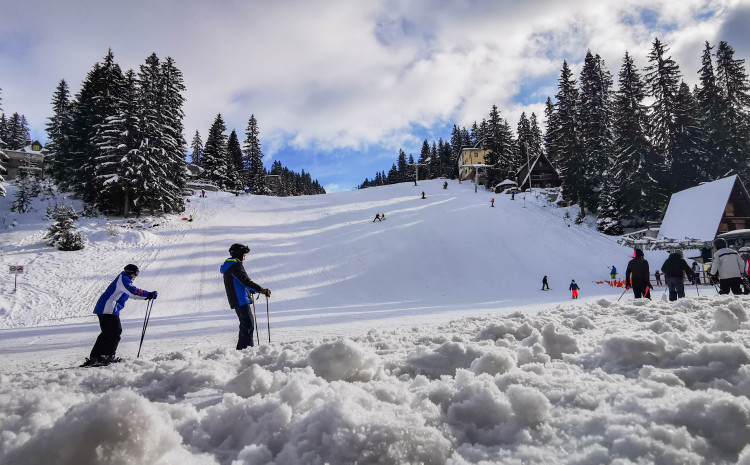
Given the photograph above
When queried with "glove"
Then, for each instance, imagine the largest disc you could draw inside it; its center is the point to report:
(152, 295)
(266, 292)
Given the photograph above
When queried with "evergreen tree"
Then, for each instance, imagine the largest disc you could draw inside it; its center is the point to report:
(734, 87)
(253, 157)
(594, 116)
(172, 143)
(234, 162)
(63, 233)
(610, 207)
(551, 133)
(403, 173)
(662, 85)
(690, 159)
(564, 141)
(3, 156)
(17, 132)
(535, 144)
(215, 154)
(22, 201)
(636, 166)
(196, 148)
(712, 117)
(58, 123)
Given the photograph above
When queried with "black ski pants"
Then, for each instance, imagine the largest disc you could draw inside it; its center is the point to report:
(246, 326)
(109, 338)
(730, 284)
(676, 288)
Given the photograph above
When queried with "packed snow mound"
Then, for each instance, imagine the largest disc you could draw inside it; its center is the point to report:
(636, 382)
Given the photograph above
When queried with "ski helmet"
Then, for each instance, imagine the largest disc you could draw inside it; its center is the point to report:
(720, 244)
(132, 269)
(238, 250)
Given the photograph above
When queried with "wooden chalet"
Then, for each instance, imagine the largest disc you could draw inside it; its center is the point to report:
(542, 174)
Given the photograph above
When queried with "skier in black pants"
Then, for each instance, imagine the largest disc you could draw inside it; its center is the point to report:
(544, 283)
(638, 276)
(675, 268)
(727, 268)
(107, 309)
(237, 283)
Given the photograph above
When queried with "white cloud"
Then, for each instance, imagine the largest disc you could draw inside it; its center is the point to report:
(340, 74)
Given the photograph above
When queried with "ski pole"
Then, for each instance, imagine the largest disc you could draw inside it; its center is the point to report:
(149, 306)
(255, 319)
(623, 293)
(268, 320)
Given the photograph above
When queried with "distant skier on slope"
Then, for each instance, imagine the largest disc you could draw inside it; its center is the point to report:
(445, 185)
(613, 273)
(657, 275)
(545, 284)
(237, 283)
(727, 268)
(423, 195)
(638, 276)
(377, 217)
(107, 309)
(574, 288)
(492, 202)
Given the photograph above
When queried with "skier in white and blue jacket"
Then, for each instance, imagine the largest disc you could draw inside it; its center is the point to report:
(237, 284)
(108, 311)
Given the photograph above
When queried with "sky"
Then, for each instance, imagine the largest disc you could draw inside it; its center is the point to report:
(338, 87)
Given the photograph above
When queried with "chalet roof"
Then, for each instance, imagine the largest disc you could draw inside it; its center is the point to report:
(695, 213)
(533, 165)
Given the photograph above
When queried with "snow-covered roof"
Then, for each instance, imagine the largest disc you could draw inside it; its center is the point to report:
(507, 182)
(695, 213)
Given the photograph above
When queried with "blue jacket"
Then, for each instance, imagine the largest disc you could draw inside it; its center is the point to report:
(574, 287)
(614, 270)
(114, 298)
(237, 283)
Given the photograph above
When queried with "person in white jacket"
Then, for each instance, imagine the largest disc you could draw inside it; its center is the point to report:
(727, 267)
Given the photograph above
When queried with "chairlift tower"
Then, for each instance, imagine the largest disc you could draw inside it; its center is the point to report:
(416, 168)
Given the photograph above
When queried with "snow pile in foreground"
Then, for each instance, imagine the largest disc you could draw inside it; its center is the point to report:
(637, 382)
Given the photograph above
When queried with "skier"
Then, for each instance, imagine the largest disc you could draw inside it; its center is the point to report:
(423, 195)
(545, 284)
(191, 218)
(203, 193)
(445, 185)
(574, 287)
(657, 275)
(638, 276)
(377, 217)
(382, 216)
(237, 283)
(107, 309)
(513, 194)
(613, 273)
(726, 268)
(492, 203)
(675, 268)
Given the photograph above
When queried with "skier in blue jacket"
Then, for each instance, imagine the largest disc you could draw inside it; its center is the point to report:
(237, 284)
(108, 311)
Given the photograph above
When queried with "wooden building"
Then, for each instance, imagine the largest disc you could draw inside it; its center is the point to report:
(542, 174)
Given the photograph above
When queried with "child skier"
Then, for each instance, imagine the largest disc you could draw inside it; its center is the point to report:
(108, 311)
(492, 202)
(574, 287)
(237, 283)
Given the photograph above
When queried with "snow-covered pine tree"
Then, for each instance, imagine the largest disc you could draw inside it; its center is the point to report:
(404, 170)
(117, 137)
(662, 85)
(22, 201)
(636, 167)
(551, 133)
(215, 154)
(594, 117)
(57, 124)
(690, 160)
(236, 171)
(173, 143)
(17, 132)
(712, 117)
(3, 156)
(535, 144)
(196, 149)
(63, 233)
(253, 157)
(610, 208)
(732, 81)
(564, 141)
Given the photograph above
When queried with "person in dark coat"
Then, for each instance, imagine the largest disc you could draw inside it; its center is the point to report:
(657, 275)
(613, 273)
(377, 217)
(423, 195)
(545, 284)
(638, 276)
(237, 284)
(675, 268)
(107, 309)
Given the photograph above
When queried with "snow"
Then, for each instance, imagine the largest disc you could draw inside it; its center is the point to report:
(421, 339)
(695, 213)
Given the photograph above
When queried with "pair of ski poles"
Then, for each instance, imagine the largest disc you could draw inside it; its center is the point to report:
(255, 318)
(648, 288)
(149, 306)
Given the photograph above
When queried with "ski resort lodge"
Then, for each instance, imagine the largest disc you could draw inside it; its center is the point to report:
(470, 156)
(701, 213)
(31, 157)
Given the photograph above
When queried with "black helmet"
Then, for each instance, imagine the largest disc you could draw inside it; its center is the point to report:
(238, 250)
(132, 269)
(720, 243)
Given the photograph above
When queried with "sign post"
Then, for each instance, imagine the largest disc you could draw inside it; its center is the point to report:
(16, 270)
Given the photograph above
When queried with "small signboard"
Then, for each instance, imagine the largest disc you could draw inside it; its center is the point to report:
(16, 269)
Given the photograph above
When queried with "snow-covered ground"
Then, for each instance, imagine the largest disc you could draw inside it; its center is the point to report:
(421, 339)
